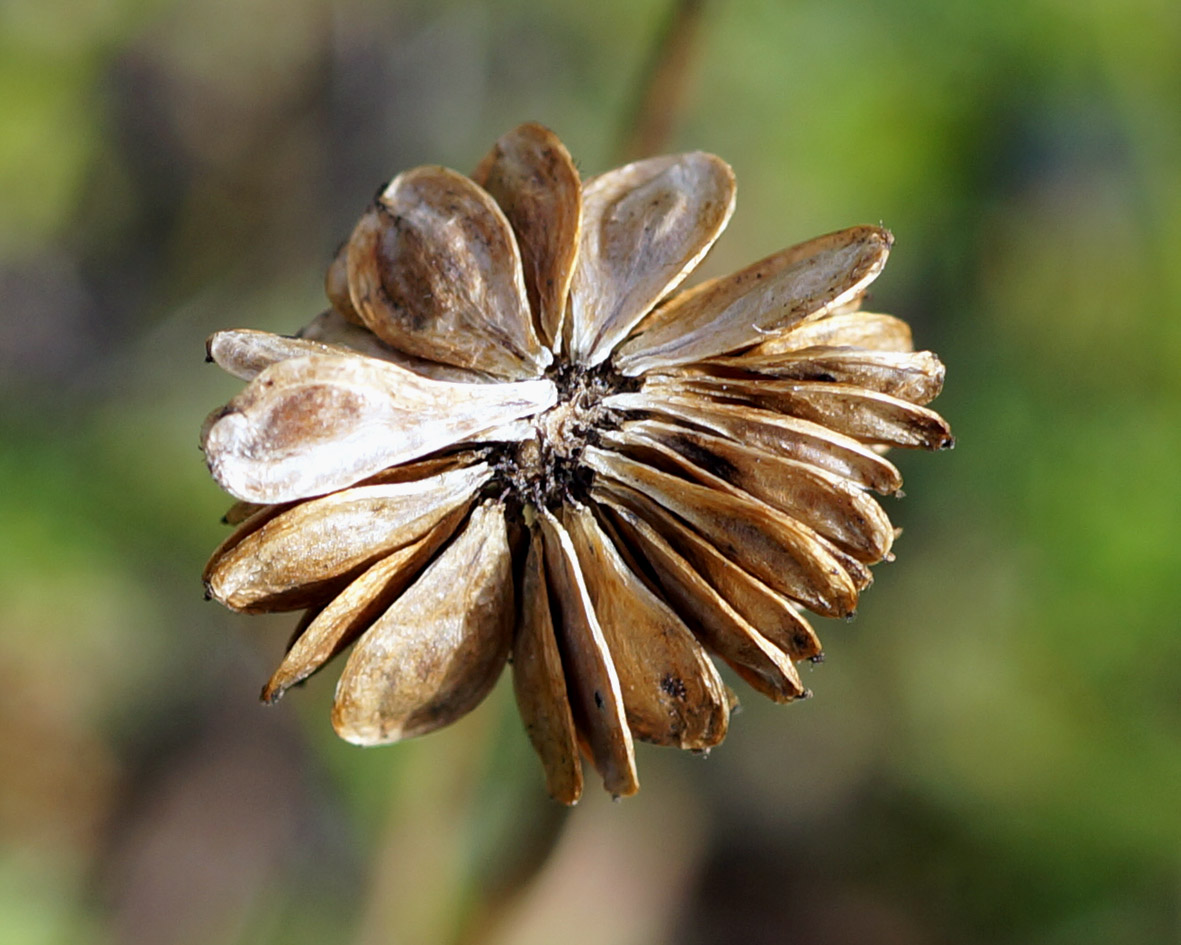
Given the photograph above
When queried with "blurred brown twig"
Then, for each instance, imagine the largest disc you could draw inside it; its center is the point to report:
(663, 84)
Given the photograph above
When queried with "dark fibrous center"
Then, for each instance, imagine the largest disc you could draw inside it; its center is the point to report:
(546, 470)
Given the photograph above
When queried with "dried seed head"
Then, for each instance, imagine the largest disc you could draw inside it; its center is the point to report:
(506, 435)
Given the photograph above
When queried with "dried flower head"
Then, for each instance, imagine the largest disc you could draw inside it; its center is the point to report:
(508, 436)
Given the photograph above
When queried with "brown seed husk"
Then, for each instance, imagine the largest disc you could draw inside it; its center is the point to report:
(247, 519)
(246, 353)
(857, 573)
(666, 211)
(770, 545)
(914, 376)
(862, 414)
(314, 424)
(533, 178)
(790, 437)
(239, 512)
(721, 628)
(825, 502)
(671, 691)
(284, 564)
(540, 684)
(769, 297)
(435, 653)
(593, 684)
(434, 271)
(354, 609)
(770, 613)
(648, 450)
(333, 328)
(852, 328)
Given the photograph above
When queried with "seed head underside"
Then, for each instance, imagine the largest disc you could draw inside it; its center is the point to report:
(510, 434)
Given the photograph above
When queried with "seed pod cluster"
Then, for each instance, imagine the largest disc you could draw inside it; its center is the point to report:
(510, 437)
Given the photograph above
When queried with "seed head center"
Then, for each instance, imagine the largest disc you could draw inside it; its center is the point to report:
(546, 469)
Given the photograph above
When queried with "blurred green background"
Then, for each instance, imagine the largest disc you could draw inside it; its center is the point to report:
(994, 750)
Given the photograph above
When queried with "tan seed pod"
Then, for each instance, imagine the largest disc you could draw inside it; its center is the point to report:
(826, 503)
(857, 412)
(435, 653)
(533, 178)
(540, 683)
(854, 329)
(595, 695)
(769, 612)
(240, 512)
(671, 691)
(355, 609)
(772, 546)
(246, 353)
(314, 424)
(914, 376)
(434, 270)
(650, 450)
(508, 430)
(790, 437)
(667, 211)
(769, 297)
(720, 627)
(284, 563)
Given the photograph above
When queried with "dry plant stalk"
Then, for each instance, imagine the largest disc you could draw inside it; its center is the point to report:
(510, 436)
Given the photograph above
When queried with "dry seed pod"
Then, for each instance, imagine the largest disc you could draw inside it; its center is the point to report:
(763, 608)
(720, 627)
(790, 437)
(436, 652)
(666, 211)
(434, 270)
(772, 546)
(842, 513)
(913, 376)
(533, 178)
(595, 698)
(502, 359)
(769, 297)
(857, 412)
(318, 541)
(246, 353)
(317, 423)
(540, 683)
(671, 691)
(854, 329)
(356, 608)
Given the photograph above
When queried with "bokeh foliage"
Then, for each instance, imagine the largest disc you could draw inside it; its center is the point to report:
(994, 750)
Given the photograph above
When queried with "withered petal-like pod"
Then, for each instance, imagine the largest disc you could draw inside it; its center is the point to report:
(596, 697)
(313, 424)
(768, 298)
(434, 270)
(539, 681)
(531, 175)
(435, 653)
(645, 227)
(509, 436)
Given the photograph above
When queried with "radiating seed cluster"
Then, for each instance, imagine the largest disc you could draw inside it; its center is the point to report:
(509, 435)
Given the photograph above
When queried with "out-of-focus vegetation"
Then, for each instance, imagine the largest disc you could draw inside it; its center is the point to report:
(994, 750)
